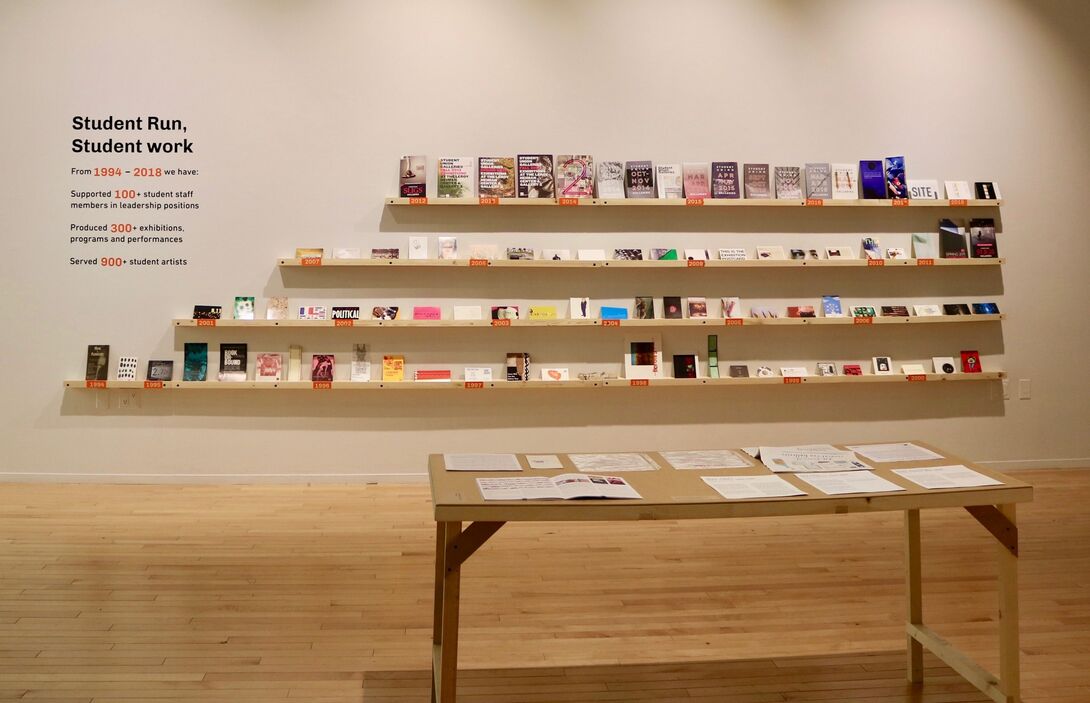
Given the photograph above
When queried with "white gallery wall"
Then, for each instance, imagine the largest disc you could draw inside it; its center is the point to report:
(299, 111)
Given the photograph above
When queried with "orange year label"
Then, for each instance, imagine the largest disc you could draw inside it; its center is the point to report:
(863, 320)
(322, 385)
(696, 202)
(917, 377)
(418, 201)
(474, 384)
(791, 380)
(344, 323)
(153, 384)
(876, 262)
(567, 202)
(488, 201)
(899, 202)
(814, 202)
(695, 263)
(474, 263)
(501, 323)
(959, 203)
(925, 262)
(611, 323)
(311, 261)
(96, 384)
(734, 322)
(639, 382)
(206, 323)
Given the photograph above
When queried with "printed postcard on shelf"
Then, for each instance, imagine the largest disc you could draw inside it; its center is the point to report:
(575, 176)
(496, 177)
(554, 374)
(871, 248)
(839, 253)
(520, 254)
(482, 251)
(913, 369)
(126, 368)
(418, 248)
(244, 307)
(543, 312)
(556, 254)
(269, 366)
(788, 183)
(763, 311)
(467, 312)
(427, 312)
(958, 190)
(386, 253)
(643, 357)
(732, 254)
(896, 182)
(732, 308)
(770, 253)
(160, 370)
(309, 253)
(478, 373)
(610, 179)
(896, 253)
(725, 179)
(925, 245)
(845, 181)
(644, 308)
(448, 248)
(927, 310)
(387, 312)
(592, 254)
(346, 253)
(580, 309)
(826, 368)
(819, 185)
(639, 179)
(794, 371)
(455, 177)
(312, 312)
(671, 307)
(986, 190)
(923, 190)
(697, 254)
(413, 177)
(535, 176)
(659, 254)
(881, 365)
(505, 312)
(695, 180)
(738, 371)
(698, 307)
(756, 182)
(628, 254)
(345, 312)
(944, 364)
(764, 372)
(276, 309)
(668, 181)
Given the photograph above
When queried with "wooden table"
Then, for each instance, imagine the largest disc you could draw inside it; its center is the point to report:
(670, 494)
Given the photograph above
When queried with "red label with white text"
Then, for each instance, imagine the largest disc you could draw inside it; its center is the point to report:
(734, 322)
(418, 201)
(899, 202)
(567, 202)
(696, 202)
(792, 380)
(863, 320)
(501, 323)
(488, 201)
(959, 203)
(311, 261)
(917, 377)
(639, 382)
(695, 263)
(96, 384)
(876, 262)
(814, 202)
(153, 384)
(474, 384)
(344, 323)
(206, 323)
(611, 323)
(474, 263)
(925, 262)
(322, 385)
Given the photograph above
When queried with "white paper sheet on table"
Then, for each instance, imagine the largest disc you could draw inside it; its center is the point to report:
(705, 459)
(481, 462)
(544, 461)
(563, 487)
(900, 451)
(849, 482)
(596, 463)
(739, 487)
(956, 476)
(810, 457)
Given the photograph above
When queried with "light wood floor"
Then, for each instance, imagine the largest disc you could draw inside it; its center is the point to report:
(228, 593)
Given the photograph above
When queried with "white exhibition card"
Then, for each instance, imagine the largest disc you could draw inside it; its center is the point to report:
(897, 451)
(612, 462)
(742, 487)
(705, 459)
(563, 487)
(544, 461)
(481, 462)
(957, 476)
(839, 482)
(810, 458)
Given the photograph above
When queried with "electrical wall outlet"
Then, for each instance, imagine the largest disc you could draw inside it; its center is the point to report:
(1025, 389)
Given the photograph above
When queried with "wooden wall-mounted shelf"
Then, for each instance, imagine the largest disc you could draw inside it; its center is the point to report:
(687, 322)
(613, 383)
(615, 264)
(687, 202)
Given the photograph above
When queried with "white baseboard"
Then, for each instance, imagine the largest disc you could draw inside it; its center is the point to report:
(297, 479)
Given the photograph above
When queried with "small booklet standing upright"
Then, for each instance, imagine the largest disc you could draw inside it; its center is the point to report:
(562, 487)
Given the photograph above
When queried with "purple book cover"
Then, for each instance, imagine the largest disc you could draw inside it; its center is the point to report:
(725, 179)
(873, 179)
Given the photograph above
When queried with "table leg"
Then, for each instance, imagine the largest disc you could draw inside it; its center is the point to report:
(1009, 674)
(445, 626)
(914, 592)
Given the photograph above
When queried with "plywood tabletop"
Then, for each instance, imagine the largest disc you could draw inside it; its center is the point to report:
(673, 494)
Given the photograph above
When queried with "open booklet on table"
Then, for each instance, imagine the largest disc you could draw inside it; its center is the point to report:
(562, 487)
